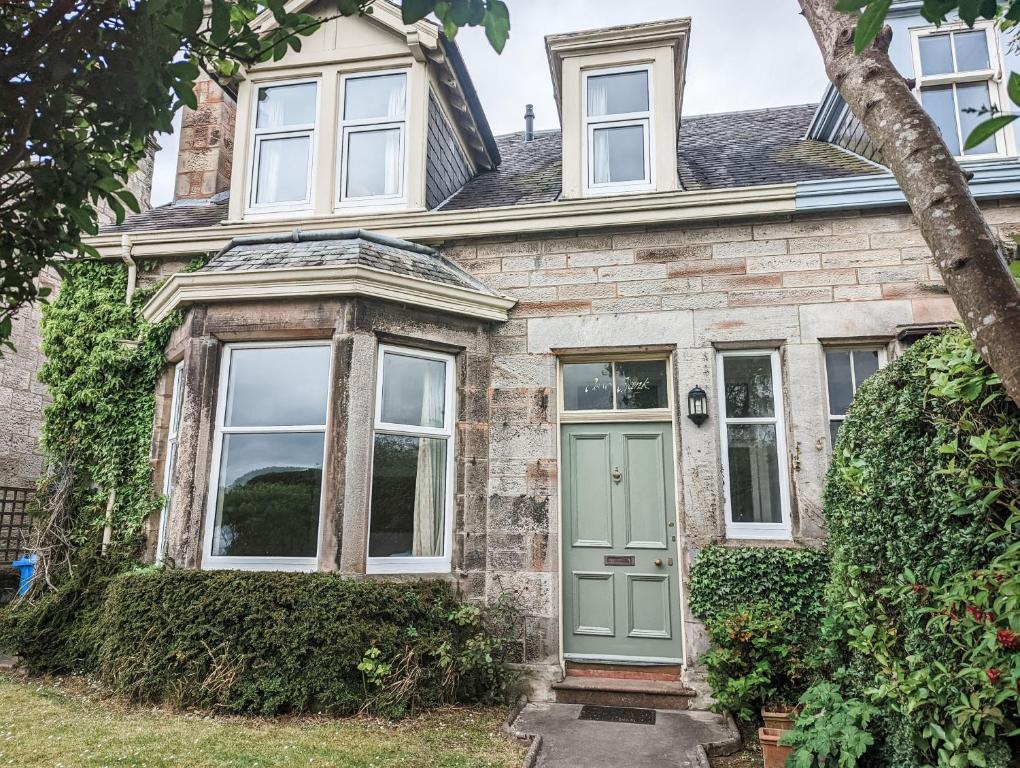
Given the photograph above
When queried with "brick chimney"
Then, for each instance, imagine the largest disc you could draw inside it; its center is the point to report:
(207, 143)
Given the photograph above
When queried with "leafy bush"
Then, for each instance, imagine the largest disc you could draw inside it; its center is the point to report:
(762, 607)
(831, 731)
(923, 508)
(724, 579)
(755, 661)
(278, 642)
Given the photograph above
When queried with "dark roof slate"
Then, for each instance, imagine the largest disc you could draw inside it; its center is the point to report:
(341, 248)
(172, 216)
(729, 149)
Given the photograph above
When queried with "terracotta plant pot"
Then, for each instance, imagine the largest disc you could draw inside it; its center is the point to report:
(780, 719)
(774, 754)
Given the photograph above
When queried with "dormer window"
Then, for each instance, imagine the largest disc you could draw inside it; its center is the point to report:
(959, 82)
(617, 125)
(373, 126)
(284, 145)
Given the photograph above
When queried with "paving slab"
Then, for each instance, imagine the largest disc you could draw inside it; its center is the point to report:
(567, 742)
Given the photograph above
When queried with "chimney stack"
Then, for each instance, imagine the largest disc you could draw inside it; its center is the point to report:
(529, 122)
(207, 143)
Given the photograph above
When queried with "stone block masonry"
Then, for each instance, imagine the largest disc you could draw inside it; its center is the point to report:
(794, 283)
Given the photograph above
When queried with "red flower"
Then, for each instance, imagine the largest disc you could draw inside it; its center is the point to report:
(1008, 639)
(975, 613)
(919, 589)
(993, 675)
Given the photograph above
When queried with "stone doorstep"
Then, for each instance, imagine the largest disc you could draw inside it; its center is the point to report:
(623, 692)
(665, 672)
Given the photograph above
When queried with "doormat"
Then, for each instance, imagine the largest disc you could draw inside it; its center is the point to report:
(617, 715)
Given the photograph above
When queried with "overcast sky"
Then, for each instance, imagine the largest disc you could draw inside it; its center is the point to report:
(744, 54)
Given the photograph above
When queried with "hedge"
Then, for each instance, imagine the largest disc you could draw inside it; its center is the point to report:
(923, 511)
(725, 579)
(289, 642)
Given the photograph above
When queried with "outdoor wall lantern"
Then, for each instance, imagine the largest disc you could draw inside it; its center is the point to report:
(697, 406)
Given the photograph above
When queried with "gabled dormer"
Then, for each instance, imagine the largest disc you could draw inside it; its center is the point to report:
(619, 93)
(370, 115)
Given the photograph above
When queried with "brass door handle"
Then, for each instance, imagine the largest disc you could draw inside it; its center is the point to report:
(616, 475)
(658, 563)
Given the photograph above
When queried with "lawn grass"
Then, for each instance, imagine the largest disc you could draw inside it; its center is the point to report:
(68, 723)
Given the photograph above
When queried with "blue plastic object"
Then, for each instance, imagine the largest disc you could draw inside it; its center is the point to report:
(26, 567)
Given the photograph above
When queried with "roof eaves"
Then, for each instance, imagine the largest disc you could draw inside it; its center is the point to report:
(471, 97)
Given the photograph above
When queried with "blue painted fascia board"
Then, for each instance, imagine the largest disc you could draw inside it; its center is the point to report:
(992, 179)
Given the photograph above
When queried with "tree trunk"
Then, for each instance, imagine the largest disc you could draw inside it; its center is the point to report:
(966, 251)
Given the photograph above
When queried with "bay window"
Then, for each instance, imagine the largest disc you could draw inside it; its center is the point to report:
(617, 125)
(754, 456)
(958, 81)
(845, 371)
(372, 138)
(412, 464)
(283, 145)
(170, 457)
(268, 455)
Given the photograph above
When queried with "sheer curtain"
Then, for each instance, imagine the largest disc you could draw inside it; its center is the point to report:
(598, 104)
(392, 162)
(429, 490)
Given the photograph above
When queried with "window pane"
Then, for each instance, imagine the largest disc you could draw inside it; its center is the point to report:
(375, 97)
(413, 391)
(283, 170)
(841, 386)
(865, 364)
(754, 473)
(280, 106)
(277, 386)
(408, 497)
(972, 98)
(936, 56)
(618, 94)
(641, 385)
(938, 102)
(374, 163)
(971, 51)
(833, 432)
(267, 500)
(748, 386)
(587, 386)
(618, 154)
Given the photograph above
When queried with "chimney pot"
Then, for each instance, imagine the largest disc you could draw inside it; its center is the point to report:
(529, 122)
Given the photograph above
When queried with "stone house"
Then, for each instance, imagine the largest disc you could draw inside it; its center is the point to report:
(555, 364)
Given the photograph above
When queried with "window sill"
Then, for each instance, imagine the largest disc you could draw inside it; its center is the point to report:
(402, 565)
(618, 191)
(747, 531)
(298, 564)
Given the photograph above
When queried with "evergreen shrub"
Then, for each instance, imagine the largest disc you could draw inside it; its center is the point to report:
(270, 642)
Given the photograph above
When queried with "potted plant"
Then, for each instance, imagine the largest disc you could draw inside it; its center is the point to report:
(773, 753)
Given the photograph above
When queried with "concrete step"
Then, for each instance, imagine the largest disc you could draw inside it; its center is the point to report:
(667, 672)
(623, 692)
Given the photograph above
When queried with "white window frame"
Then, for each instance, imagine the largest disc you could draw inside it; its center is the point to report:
(311, 130)
(1004, 142)
(615, 413)
(368, 125)
(735, 530)
(417, 564)
(882, 360)
(218, 562)
(170, 458)
(590, 122)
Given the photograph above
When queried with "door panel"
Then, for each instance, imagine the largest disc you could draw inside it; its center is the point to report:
(590, 487)
(621, 589)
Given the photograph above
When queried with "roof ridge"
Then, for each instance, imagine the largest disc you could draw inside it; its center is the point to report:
(760, 110)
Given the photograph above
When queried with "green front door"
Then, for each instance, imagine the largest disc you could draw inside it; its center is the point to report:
(621, 590)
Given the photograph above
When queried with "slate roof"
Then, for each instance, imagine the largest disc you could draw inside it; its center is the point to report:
(341, 248)
(729, 149)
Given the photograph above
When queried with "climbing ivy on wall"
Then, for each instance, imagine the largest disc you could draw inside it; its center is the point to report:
(103, 364)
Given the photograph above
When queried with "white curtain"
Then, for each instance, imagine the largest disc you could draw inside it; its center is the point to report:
(429, 490)
(392, 161)
(600, 157)
(270, 172)
(395, 106)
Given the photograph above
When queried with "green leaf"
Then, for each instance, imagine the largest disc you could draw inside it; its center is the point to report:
(220, 25)
(870, 24)
(191, 18)
(1013, 88)
(415, 10)
(497, 24)
(126, 197)
(977, 758)
(987, 129)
